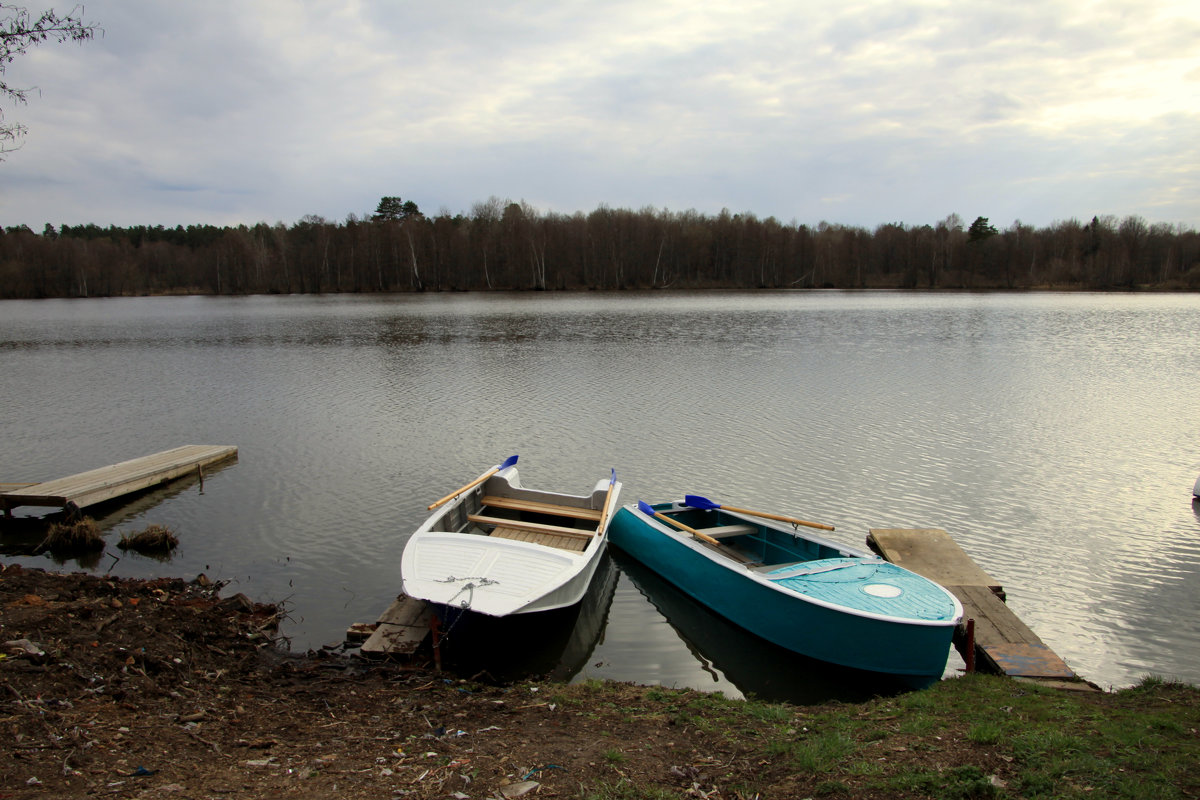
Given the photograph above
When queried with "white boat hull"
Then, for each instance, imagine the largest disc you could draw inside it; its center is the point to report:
(453, 561)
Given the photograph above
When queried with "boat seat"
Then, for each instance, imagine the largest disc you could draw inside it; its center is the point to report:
(535, 527)
(540, 508)
(722, 531)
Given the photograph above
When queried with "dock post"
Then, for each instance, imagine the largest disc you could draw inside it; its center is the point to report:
(970, 646)
(435, 628)
(200, 475)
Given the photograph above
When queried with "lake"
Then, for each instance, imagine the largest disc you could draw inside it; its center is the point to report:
(1055, 436)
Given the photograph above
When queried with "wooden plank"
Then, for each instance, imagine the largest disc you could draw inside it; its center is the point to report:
(1026, 661)
(537, 527)
(541, 508)
(405, 610)
(1002, 642)
(106, 483)
(571, 543)
(932, 553)
(723, 531)
(995, 622)
(400, 629)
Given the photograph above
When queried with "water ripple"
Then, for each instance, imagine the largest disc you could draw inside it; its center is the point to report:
(1052, 435)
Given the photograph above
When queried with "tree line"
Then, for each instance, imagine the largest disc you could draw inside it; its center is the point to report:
(502, 245)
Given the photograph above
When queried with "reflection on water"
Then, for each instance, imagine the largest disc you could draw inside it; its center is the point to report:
(755, 666)
(551, 644)
(1054, 436)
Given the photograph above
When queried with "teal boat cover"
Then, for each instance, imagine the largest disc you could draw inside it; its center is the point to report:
(870, 586)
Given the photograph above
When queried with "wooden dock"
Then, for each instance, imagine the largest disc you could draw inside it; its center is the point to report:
(1002, 643)
(107, 483)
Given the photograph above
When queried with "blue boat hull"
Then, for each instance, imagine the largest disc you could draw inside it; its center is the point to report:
(863, 641)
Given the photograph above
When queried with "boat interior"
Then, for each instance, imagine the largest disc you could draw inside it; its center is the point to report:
(499, 510)
(758, 547)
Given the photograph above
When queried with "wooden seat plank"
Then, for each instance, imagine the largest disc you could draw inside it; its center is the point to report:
(722, 531)
(534, 506)
(536, 527)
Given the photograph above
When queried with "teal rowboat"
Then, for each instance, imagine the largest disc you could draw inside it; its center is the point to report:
(795, 589)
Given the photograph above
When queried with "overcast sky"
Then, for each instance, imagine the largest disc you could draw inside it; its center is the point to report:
(850, 112)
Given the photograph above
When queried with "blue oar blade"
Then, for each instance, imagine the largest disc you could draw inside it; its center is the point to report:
(508, 462)
(645, 508)
(696, 501)
(614, 476)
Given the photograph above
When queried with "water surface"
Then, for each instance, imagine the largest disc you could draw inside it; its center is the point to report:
(1053, 435)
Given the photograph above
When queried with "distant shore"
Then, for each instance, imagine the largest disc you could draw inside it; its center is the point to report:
(1150, 289)
(513, 247)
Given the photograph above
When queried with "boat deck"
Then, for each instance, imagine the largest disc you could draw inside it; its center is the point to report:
(107, 483)
(1002, 642)
(563, 542)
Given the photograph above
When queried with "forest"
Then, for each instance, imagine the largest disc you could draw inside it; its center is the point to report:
(503, 245)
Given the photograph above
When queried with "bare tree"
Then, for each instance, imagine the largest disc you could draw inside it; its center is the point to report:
(19, 31)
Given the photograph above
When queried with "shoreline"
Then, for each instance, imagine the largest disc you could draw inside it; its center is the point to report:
(1148, 289)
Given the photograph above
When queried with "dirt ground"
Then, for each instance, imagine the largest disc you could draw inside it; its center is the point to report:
(164, 689)
(127, 688)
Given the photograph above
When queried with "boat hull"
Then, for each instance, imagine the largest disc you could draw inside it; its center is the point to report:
(867, 641)
(497, 578)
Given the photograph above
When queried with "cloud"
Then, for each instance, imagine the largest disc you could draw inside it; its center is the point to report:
(900, 111)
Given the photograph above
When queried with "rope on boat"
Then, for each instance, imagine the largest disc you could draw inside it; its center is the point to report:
(465, 605)
(468, 587)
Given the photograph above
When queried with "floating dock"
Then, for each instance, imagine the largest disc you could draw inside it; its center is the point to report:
(991, 635)
(107, 483)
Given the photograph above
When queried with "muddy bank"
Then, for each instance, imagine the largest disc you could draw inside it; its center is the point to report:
(161, 688)
(139, 689)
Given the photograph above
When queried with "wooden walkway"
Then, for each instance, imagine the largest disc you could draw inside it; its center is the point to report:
(106, 483)
(1002, 642)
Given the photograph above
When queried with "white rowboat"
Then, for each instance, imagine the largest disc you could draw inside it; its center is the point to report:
(497, 548)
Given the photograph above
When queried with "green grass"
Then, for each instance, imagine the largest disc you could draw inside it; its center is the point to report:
(624, 790)
(972, 737)
(614, 756)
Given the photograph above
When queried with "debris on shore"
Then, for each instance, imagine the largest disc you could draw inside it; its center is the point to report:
(164, 688)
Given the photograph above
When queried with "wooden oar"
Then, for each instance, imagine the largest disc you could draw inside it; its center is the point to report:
(696, 501)
(645, 508)
(607, 499)
(508, 462)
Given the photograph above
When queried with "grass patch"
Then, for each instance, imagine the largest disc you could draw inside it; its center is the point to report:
(66, 539)
(624, 790)
(977, 736)
(154, 540)
(985, 732)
